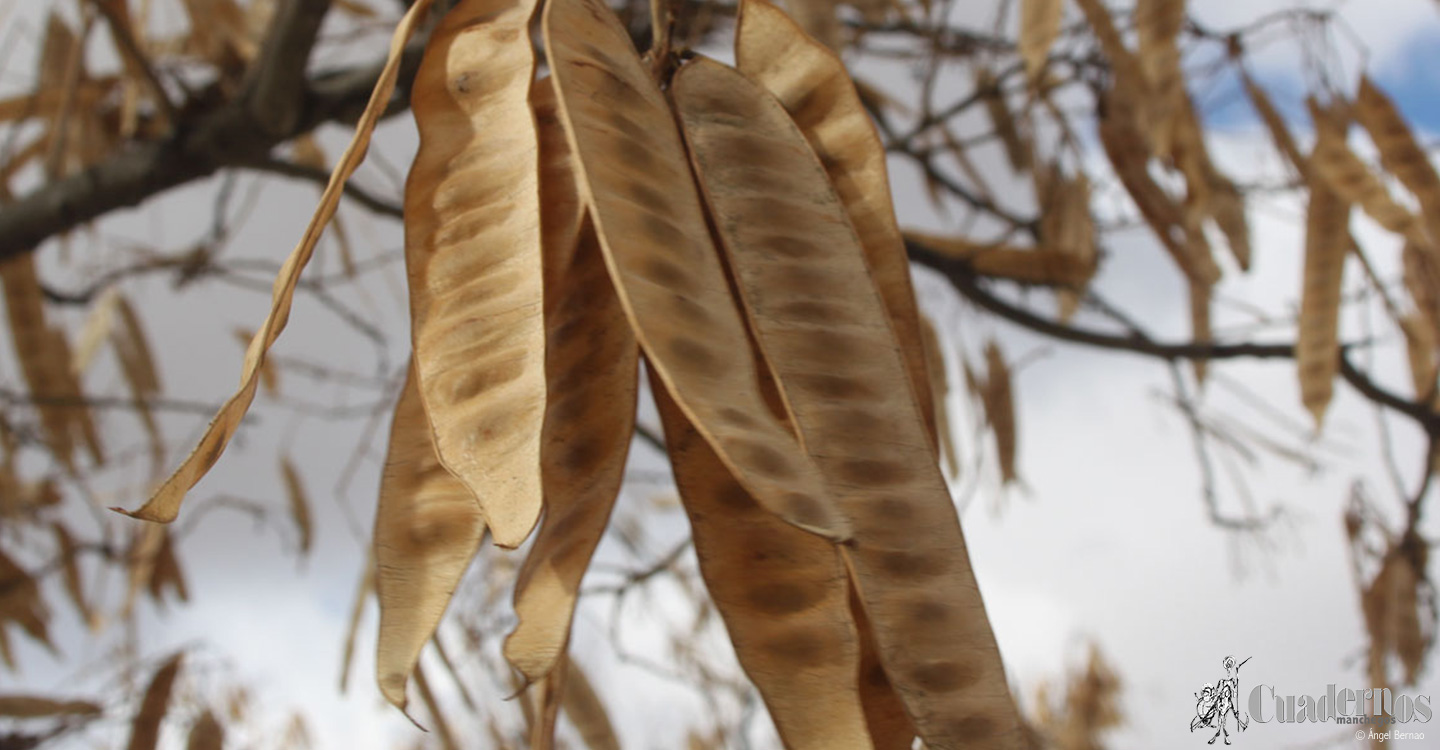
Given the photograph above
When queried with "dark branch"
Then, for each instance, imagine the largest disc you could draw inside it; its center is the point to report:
(1371, 390)
(180, 406)
(272, 88)
(969, 285)
(227, 135)
(360, 195)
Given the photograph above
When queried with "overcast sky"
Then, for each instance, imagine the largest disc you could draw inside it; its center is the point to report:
(1108, 542)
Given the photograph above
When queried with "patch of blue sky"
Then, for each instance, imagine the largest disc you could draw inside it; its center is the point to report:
(1412, 78)
(1409, 72)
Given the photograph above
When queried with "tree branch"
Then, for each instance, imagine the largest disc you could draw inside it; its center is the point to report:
(968, 284)
(272, 89)
(360, 195)
(179, 406)
(204, 143)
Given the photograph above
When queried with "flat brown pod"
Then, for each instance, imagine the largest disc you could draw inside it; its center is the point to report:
(824, 331)
(1124, 145)
(586, 711)
(814, 87)
(206, 734)
(145, 727)
(1400, 152)
(164, 505)
(1039, 26)
(1420, 350)
(1000, 409)
(472, 251)
(819, 20)
(1128, 98)
(145, 378)
(1067, 227)
(592, 366)
(1019, 149)
(1422, 280)
(1043, 266)
(889, 724)
(1201, 331)
(1343, 172)
(137, 366)
(45, 363)
(1209, 194)
(636, 179)
(427, 530)
(299, 503)
(562, 212)
(1274, 123)
(1159, 23)
(99, 322)
(783, 595)
(22, 605)
(940, 386)
(31, 706)
(1317, 352)
(165, 572)
(1227, 208)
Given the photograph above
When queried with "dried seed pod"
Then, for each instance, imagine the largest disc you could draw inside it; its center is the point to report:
(1018, 148)
(145, 727)
(591, 364)
(206, 733)
(165, 571)
(890, 726)
(1123, 144)
(1420, 351)
(1000, 409)
(472, 240)
(298, 502)
(820, 322)
(1039, 26)
(46, 364)
(427, 529)
(1200, 329)
(20, 603)
(1401, 153)
(1343, 172)
(940, 386)
(31, 706)
(164, 505)
(1274, 123)
(1422, 280)
(1159, 23)
(636, 180)
(817, 91)
(1041, 266)
(782, 592)
(1128, 99)
(1317, 353)
(587, 711)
